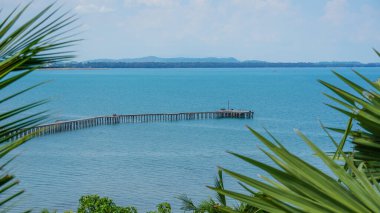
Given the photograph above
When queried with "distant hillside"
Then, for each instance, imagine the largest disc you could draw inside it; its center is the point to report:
(167, 60)
(211, 62)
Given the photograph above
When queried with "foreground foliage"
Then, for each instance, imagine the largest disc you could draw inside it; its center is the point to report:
(25, 47)
(97, 204)
(216, 206)
(94, 203)
(363, 108)
(297, 186)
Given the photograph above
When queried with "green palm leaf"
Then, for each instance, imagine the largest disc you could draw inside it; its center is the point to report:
(294, 185)
(25, 48)
(363, 107)
(297, 186)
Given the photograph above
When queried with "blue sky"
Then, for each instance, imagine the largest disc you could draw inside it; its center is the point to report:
(271, 30)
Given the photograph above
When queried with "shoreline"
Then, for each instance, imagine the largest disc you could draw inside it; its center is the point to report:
(47, 69)
(274, 67)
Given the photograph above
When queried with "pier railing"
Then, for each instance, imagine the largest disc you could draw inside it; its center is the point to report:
(70, 125)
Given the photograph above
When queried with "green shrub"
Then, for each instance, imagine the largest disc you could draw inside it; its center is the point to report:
(97, 204)
(163, 208)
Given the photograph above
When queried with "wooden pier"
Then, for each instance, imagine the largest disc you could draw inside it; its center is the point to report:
(70, 125)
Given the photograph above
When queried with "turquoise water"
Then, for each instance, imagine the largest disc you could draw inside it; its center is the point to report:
(145, 164)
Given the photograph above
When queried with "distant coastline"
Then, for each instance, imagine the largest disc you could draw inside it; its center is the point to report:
(70, 68)
(211, 62)
(101, 65)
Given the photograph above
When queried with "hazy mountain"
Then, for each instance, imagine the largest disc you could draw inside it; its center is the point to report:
(254, 61)
(339, 62)
(211, 62)
(169, 60)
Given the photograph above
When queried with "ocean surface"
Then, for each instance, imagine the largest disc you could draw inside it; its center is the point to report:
(148, 163)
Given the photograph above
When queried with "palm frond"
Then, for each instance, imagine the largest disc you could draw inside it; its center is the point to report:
(362, 107)
(187, 203)
(297, 186)
(219, 184)
(26, 47)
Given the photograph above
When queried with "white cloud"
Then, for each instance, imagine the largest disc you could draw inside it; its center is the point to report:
(277, 5)
(335, 11)
(92, 8)
(204, 27)
(150, 3)
(264, 29)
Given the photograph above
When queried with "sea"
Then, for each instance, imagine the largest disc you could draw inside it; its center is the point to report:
(144, 164)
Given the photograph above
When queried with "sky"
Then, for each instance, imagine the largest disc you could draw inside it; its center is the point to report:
(269, 30)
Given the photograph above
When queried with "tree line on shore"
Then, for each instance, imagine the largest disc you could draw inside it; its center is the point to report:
(82, 65)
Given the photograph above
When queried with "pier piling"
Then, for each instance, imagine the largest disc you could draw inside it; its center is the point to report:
(71, 125)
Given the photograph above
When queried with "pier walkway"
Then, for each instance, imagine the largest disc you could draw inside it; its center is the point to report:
(71, 125)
